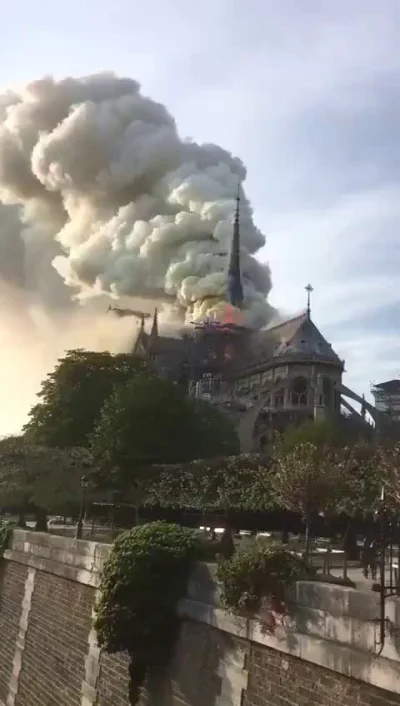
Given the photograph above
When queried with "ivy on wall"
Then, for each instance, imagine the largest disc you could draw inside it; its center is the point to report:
(143, 580)
(257, 581)
(6, 529)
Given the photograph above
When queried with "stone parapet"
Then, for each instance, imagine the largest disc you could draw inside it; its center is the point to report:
(329, 628)
(328, 625)
(74, 559)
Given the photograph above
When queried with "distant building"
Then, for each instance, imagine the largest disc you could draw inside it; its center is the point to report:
(387, 398)
(265, 379)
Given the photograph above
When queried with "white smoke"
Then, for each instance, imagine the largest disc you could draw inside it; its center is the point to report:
(100, 198)
(103, 189)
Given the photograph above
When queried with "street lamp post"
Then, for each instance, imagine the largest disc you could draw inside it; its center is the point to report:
(384, 590)
(79, 526)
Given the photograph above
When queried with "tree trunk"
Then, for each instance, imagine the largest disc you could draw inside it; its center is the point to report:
(349, 542)
(137, 501)
(308, 537)
(21, 520)
(41, 520)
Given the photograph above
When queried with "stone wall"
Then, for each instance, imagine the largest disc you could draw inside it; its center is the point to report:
(325, 655)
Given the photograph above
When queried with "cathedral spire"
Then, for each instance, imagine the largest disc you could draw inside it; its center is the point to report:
(234, 285)
(154, 328)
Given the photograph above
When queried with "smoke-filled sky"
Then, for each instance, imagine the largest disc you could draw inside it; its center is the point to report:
(305, 94)
(107, 199)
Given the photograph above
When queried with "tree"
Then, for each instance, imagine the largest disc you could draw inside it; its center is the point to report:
(362, 474)
(307, 480)
(40, 478)
(387, 464)
(72, 396)
(224, 483)
(215, 431)
(151, 421)
(325, 433)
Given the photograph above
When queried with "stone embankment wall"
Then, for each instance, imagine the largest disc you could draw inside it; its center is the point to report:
(327, 654)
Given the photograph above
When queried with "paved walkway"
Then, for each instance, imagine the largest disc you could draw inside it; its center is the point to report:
(356, 575)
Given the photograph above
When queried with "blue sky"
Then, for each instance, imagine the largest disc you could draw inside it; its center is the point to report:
(307, 93)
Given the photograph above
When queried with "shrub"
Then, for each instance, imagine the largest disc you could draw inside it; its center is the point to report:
(6, 529)
(144, 577)
(257, 579)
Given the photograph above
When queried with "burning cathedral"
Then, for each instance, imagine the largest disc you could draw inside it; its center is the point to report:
(266, 379)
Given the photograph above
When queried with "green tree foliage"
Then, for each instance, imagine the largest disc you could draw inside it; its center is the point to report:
(215, 431)
(150, 421)
(143, 580)
(330, 434)
(387, 474)
(240, 482)
(6, 530)
(362, 472)
(309, 480)
(72, 396)
(40, 477)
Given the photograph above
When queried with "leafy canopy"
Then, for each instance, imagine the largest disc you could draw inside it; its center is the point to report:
(323, 434)
(308, 479)
(40, 476)
(240, 482)
(72, 396)
(150, 421)
(387, 473)
(363, 476)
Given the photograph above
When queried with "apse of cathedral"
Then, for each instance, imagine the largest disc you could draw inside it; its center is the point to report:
(267, 380)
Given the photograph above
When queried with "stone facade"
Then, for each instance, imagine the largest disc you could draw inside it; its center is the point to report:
(325, 655)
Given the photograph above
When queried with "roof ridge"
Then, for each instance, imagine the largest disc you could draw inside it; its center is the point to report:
(299, 317)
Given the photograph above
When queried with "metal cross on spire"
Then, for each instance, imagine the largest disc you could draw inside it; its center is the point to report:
(309, 289)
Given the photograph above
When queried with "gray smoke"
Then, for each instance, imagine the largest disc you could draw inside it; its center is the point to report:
(101, 194)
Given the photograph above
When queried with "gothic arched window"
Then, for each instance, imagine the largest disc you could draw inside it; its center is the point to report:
(280, 398)
(299, 392)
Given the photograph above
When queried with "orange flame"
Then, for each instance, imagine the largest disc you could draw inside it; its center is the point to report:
(232, 315)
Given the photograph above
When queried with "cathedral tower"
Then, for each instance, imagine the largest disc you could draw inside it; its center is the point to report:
(234, 284)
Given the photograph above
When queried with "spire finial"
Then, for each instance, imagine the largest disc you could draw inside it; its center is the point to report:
(234, 288)
(309, 289)
(154, 326)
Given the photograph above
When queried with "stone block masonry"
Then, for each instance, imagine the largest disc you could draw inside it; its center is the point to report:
(325, 655)
(12, 590)
(278, 680)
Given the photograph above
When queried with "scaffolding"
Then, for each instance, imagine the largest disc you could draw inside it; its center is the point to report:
(387, 398)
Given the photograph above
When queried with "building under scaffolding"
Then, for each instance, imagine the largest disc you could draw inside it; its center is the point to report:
(387, 398)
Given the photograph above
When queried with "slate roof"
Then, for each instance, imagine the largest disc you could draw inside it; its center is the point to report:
(294, 338)
(297, 337)
(301, 337)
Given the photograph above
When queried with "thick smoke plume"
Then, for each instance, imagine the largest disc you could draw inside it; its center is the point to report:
(101, 199)
(105, 193)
